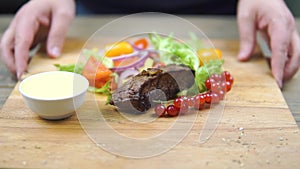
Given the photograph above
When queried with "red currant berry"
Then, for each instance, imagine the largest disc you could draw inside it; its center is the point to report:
(184, 98)
(215, 98)
(222, 78)
(215, 86)
(172, 111)
(227, 75)
(178, 102)
(228, 86)
(223, 87)
(200, 98)
(184, 109)
(221, 94)
(208, 97)
(230, 80)
(160, 110)
(199, 106)
(214, 77)
(208, 83)
(191, 101)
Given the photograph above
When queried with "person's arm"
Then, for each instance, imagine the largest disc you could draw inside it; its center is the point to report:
(35, 21)
(276, 21)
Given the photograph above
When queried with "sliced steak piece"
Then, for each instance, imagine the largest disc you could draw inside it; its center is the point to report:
(137, 94)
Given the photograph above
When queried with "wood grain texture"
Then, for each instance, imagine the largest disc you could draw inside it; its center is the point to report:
(256, 129)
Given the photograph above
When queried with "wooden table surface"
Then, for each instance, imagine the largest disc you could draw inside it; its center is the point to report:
(251, 128)
(215, 27)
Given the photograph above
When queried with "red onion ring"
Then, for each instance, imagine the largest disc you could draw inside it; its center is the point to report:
(121, 57)
(142, 57)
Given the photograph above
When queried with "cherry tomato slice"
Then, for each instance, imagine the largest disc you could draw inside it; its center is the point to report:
(96, 73)
(141, 43)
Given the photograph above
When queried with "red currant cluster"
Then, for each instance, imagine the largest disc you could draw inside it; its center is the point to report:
(217, 86)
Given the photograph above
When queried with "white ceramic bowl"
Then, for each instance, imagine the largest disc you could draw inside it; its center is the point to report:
(54, 95)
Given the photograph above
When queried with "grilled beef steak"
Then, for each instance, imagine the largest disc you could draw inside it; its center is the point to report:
(136, 95)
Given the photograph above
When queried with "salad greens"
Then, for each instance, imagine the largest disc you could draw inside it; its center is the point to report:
(203, 72)
(103, 90)
(77, 68)
(70, 68)
(173, 52)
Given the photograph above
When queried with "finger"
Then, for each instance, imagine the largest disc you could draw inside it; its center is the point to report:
(25, 30)
(61, 20)
(293, 63)
(280, 35)
(42, 32)
(247, 28)
(7, 48)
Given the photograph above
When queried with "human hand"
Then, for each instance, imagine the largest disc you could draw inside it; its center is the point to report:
(276, 21)
(36, 21)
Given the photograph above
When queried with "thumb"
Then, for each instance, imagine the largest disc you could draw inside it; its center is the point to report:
(246, 24)
(58, 29)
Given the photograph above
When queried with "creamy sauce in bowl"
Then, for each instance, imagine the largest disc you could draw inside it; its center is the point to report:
(53, 85)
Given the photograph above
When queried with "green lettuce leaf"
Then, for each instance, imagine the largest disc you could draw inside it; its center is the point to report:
(203, 72)
(70, 68)
(105, 89)
(173, 52)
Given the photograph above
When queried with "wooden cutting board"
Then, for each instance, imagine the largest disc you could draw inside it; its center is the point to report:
(254, 130)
